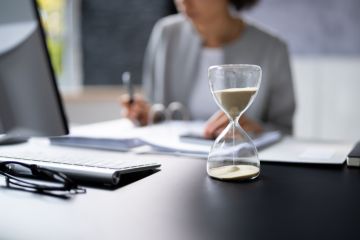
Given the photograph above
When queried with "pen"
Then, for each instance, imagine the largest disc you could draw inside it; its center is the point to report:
(126, 79)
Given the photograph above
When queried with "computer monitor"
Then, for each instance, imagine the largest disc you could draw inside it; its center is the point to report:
(30, 103)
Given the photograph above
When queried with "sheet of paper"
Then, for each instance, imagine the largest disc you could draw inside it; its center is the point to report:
(121, 128)
(294, 150)
(162, 137)
(317, 153)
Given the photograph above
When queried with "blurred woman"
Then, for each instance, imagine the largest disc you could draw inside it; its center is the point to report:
(210, 32)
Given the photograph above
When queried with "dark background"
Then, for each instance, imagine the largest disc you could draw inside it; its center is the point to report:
(115, 32)
(114, 37)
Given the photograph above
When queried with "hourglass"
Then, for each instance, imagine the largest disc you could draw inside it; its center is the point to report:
(233, 155)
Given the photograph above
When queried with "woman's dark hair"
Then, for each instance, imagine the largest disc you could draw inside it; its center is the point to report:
(243, 4)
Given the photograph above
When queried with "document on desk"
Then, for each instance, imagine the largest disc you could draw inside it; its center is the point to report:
(292, 150)
(122, 135)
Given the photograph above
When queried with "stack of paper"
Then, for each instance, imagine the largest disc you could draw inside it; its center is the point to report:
(122, 135)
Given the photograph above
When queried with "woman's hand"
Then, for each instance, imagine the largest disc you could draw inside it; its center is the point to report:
(216, 124)
(136, 110)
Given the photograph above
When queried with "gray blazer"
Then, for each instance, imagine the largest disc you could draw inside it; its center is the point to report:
(171, 61)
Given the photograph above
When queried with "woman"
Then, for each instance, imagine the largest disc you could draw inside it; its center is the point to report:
(205, 33)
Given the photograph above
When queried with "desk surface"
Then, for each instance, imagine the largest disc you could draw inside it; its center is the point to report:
(182, 202)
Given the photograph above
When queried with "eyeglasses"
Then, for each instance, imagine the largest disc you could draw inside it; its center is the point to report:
(42, 179)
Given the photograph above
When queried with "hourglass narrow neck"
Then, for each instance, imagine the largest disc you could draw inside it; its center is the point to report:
(234, 119)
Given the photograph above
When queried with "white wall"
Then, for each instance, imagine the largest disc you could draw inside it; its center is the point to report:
(328, 97)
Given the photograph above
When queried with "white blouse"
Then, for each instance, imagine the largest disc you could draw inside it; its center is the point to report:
(202, 104)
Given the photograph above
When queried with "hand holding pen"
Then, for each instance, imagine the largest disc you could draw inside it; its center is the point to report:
(126, 79)
(135, 107)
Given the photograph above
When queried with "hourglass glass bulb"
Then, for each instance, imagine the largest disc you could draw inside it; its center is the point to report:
(233, 155)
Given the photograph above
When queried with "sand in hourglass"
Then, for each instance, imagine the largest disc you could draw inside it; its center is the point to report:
(234, 172)
(234, 101)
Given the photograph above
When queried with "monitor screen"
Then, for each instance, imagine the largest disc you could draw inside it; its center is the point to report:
(30, 103)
